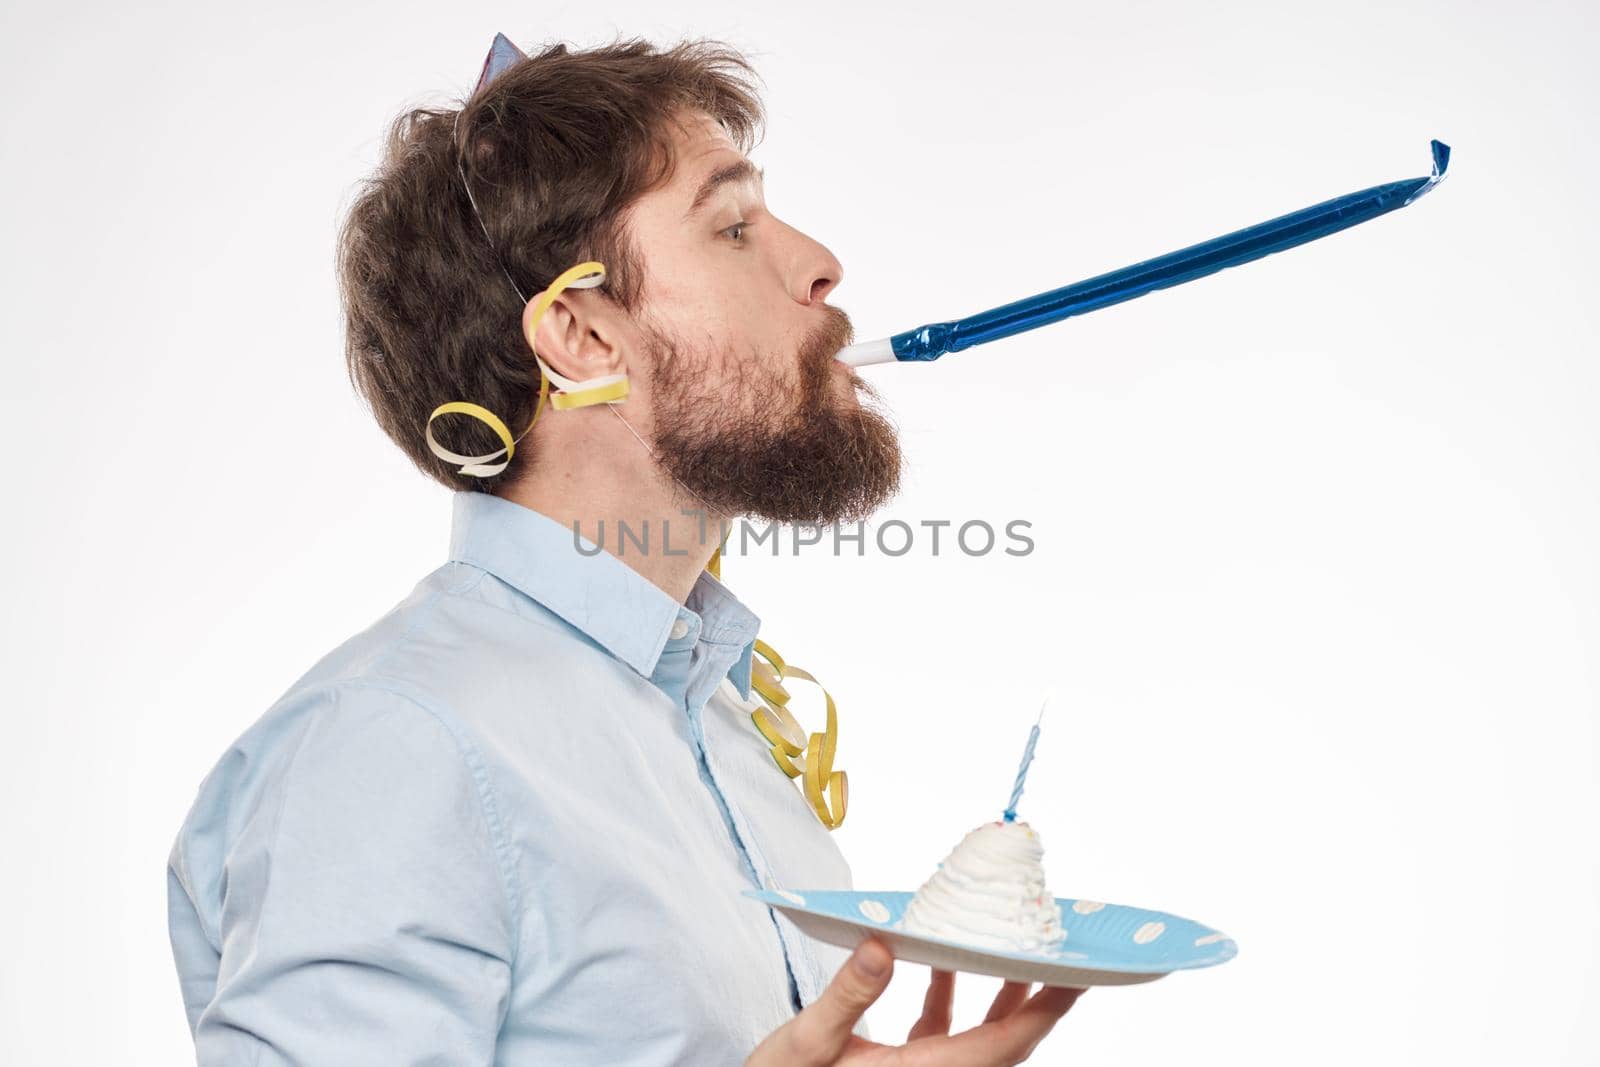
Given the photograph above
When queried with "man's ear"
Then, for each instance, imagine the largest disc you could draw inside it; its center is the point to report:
(579, 336)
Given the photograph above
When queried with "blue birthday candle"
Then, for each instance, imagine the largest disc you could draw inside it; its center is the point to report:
(929, 342)
(1022, 771)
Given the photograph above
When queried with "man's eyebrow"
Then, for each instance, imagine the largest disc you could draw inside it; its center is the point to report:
(742, 171)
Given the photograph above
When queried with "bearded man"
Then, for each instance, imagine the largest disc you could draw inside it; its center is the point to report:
(512, 820)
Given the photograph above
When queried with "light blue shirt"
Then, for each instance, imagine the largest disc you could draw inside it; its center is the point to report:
(507, 823)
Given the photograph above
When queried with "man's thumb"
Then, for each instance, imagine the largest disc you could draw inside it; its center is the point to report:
(864, 976)
(818, 1035)
(824, 1027)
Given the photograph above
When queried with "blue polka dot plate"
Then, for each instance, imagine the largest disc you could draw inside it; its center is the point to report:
(1106, 944)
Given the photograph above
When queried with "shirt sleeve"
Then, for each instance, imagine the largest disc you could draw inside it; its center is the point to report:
(366, 914)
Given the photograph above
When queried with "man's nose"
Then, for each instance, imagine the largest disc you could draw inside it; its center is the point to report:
(819, 271)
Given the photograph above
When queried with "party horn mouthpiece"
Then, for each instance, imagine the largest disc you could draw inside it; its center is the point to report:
(859, 355)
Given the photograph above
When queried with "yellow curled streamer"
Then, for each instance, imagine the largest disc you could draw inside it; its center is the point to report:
(778, 725)
(606, 389)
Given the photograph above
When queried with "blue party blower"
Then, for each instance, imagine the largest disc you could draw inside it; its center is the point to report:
(926, 343)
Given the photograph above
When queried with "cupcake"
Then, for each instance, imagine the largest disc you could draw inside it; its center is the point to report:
(990, 891)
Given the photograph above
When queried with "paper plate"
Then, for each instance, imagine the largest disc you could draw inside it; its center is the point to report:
(1106, 944)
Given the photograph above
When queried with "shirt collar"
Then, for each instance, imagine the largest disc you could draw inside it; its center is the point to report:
(616, 606)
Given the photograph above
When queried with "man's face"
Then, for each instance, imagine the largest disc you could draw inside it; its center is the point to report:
(749, 408)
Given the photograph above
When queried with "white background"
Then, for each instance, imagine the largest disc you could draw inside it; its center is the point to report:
(1315, 575)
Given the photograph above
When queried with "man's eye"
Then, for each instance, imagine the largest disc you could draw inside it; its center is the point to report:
(740, 226)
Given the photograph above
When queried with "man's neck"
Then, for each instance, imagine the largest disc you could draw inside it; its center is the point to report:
(623, 513)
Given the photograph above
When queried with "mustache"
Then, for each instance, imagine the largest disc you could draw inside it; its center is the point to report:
(836, 331)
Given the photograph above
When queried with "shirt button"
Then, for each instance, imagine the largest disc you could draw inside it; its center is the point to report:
(679, 628)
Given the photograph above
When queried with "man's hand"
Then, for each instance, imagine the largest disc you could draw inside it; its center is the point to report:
(820, 1036)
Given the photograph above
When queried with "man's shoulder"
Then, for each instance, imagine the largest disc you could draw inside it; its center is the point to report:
(458, 646)
(381, 649)
(370, 685)
(458, 623)
(358, 664)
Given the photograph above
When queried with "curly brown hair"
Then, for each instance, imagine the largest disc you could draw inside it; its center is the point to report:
(561, 144)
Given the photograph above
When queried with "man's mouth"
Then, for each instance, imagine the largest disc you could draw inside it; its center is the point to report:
(847, 372)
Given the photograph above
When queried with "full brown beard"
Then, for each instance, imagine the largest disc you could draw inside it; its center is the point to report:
(791, 454)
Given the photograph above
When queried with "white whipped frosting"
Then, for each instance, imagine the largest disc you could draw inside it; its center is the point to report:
(989, 891)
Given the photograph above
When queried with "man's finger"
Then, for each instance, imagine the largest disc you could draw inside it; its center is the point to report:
(1008, 1000)
(936, 1006)
(1013, 1038)
(818, 1034)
